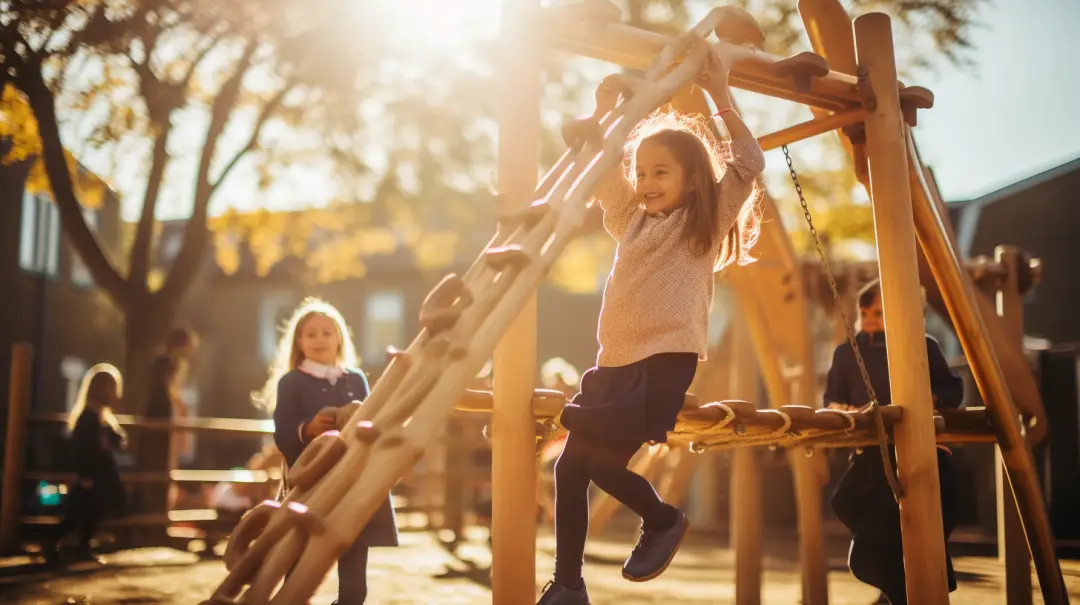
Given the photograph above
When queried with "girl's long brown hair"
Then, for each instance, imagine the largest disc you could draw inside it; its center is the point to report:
(689, 140)
(288, 355)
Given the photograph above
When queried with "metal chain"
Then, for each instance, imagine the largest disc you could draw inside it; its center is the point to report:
(874, 407)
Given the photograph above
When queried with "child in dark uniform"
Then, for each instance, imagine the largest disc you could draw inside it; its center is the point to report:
(94, 436)
(314, 369)
(687, 211)
(863, 500)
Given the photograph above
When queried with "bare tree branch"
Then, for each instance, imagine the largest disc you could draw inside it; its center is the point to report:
(139, 265)
(199, 57)
(196, 230)
(161, 100)
(32, 83)
(268, 109)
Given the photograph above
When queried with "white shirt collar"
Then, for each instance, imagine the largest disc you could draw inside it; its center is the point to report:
(318, 370)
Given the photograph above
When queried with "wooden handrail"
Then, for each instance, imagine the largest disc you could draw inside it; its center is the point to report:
(223, 425)
(174, 476)
(175, 516)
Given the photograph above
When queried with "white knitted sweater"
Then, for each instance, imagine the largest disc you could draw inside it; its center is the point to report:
(659, 293)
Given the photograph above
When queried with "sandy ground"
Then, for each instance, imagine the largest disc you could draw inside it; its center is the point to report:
(422, 572)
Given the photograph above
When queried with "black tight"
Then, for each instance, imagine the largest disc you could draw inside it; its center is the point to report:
(584, 460)
(352, 576)
(83, 512)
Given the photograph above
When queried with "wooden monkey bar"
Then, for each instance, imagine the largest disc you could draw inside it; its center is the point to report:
(593, 30)
(755, 71)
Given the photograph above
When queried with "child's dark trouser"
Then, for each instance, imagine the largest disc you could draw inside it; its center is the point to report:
(584, 460)
(84, 512)
(865, 503)
(352, 575)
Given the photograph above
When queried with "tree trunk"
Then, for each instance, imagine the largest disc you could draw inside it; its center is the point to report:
(143, 335)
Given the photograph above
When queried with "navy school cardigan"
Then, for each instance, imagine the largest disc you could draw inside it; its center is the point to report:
(845, 384)
(300, 397)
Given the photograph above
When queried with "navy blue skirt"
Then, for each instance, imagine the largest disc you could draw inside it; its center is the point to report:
(636, 403)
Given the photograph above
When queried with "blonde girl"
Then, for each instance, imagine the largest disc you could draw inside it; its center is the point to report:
(315, 368)
(94, 435)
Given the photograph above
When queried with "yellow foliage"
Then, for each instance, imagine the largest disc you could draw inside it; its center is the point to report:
(584, 259)
(227, 252)
(435, 250)
(337, 236)
(17, 123)
(266, 247)
(155, 279)
(336, 261)
(373, 241)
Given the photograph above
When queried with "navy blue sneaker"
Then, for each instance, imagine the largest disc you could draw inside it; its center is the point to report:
(655, 550)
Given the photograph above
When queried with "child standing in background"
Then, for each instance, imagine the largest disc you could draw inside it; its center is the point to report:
(315, 368)
(863, 500)
(94, 436)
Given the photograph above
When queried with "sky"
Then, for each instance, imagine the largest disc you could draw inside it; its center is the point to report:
(1010, 116)
(1018, 112)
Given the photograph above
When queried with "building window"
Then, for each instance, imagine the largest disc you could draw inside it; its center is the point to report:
(72, 370)
(274, 310)
(80, 274)
(39, 236)
(170, 245)
(384, 323)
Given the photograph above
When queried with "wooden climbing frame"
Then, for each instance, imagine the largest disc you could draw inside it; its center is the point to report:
(280, 552)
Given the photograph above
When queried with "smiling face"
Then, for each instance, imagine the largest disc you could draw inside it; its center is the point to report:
(319, 339)
(662, 181)
(872, 317)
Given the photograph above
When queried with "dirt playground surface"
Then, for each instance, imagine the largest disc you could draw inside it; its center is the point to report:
(422, 572)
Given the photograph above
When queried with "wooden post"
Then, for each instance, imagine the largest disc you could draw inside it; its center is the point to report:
(15, 450)
(748, 288)
(1012, 543)
(920, 509)
(457, 458)
(807, 474)
(513, 469)
(746, 519)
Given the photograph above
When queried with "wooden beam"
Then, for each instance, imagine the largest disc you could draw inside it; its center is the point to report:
(998, 366)
(811, 128)
(916, 452)
(15, 446)
(173, 476)
(828, 26)
(1012, 543)
(755, 71)
(198, 425)
(745, 534)
(513, 469)
(996, 359)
